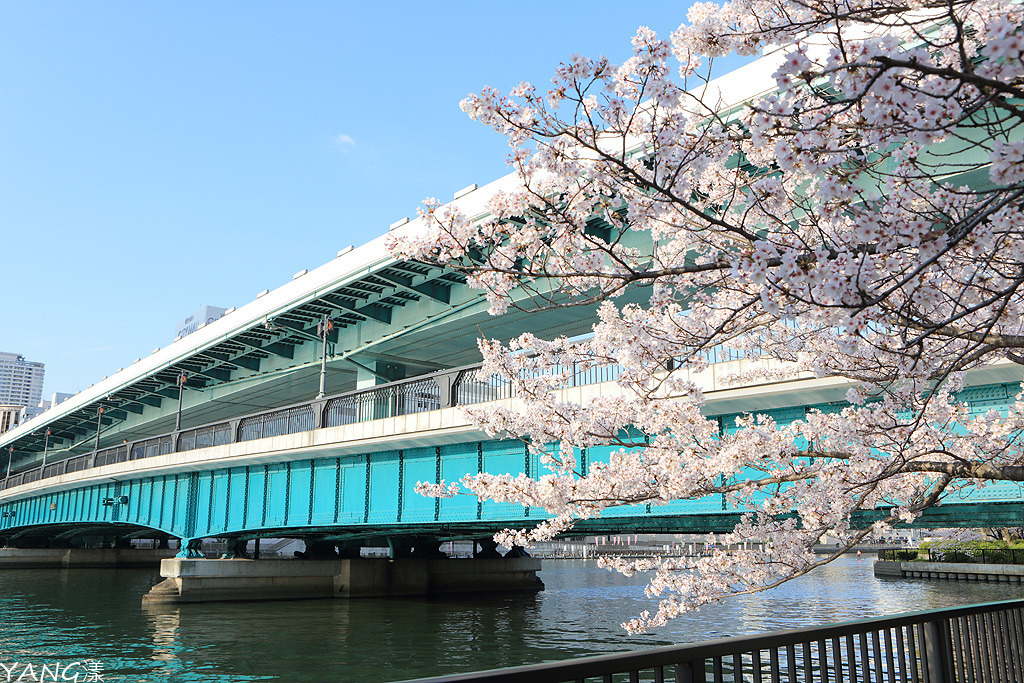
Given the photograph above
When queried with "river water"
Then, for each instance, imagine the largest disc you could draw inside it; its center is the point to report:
(57, 617)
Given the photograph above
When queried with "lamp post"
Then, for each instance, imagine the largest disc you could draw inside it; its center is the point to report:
(182, 378)
(46, 446)
(323, 330)
(96, 445)
(10, 458)
(99, 423)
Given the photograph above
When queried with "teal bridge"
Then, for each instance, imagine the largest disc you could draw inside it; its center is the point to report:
(263, 424)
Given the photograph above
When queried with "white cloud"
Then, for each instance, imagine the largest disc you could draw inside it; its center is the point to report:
(344, 141)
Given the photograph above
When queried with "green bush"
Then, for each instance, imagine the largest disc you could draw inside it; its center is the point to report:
(990, 552)
(901, 555)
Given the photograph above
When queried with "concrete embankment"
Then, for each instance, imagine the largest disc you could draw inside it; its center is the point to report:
(955, 571)
(66, 558)
(201, 580)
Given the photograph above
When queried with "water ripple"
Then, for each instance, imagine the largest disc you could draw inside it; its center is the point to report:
(67, 615)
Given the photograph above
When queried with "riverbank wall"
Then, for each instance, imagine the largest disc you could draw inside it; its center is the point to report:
(68, 558)
(950, 571)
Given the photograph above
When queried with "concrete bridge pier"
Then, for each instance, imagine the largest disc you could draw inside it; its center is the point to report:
(207, 580)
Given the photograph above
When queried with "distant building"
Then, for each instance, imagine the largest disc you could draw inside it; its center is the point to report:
(28, 412)
(205, 314)
(21, 381)
(10, 417)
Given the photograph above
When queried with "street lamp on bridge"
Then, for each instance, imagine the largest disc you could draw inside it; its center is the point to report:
(182, 378)
(46, 446)
(323, 330)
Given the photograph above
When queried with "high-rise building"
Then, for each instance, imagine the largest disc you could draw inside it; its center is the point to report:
(21, 381)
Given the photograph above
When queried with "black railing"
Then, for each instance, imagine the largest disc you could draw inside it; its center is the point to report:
(449, 388)
(976, 644)
(962, 555)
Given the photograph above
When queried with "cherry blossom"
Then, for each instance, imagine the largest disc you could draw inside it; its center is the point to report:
(856, 214)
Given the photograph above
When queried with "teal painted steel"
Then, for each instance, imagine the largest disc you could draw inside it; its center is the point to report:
(419, 464)
(458, 460)
(373, 494)
(383, 491)
(502, 457)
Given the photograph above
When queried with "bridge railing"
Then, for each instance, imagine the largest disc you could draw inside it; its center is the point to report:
(975, 644)
(445, 389)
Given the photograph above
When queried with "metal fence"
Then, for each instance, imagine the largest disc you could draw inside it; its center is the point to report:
(387, 400)
(204, 437)
(976, 644)
(460, 386)
(967, 555)
(276, 423)
(470, 388)
(109, 456)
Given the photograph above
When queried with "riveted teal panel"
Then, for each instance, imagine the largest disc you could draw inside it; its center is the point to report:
(782, 417)
(177, 494)
(598, 455)
(383, 488)
(181, 494)
(140, 499)
(502, 457)
(236, 499)
(101, 511)
(353, 490)
(601, 455)
(981, 407)
(218, 501)
(998, 392)
(88, 509)
(43, 511)
(325, 488)
(32, 513)
(147, 494)
(536, 470)
(420, 465)
(300, 490)
(254, 515)
(458, 460)
(204, 487)
(277, 494)
(997, 491)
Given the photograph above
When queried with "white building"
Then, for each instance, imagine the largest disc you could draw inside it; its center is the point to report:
(10, 417)
(28, 412)
(21, 381)
(205, 315)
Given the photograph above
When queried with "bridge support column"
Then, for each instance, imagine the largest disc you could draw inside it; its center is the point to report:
(201, 580)
(191, 548)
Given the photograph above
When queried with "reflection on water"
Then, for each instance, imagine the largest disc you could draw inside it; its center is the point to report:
(64, 615)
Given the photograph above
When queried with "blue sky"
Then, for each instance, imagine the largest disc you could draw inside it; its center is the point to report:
(155, 157)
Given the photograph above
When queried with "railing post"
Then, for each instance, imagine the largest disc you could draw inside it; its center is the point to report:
(319, 410)
(687, 672)
(446, 389)
(936, 658)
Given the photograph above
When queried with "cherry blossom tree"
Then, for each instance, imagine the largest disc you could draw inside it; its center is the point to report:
(858, 217)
